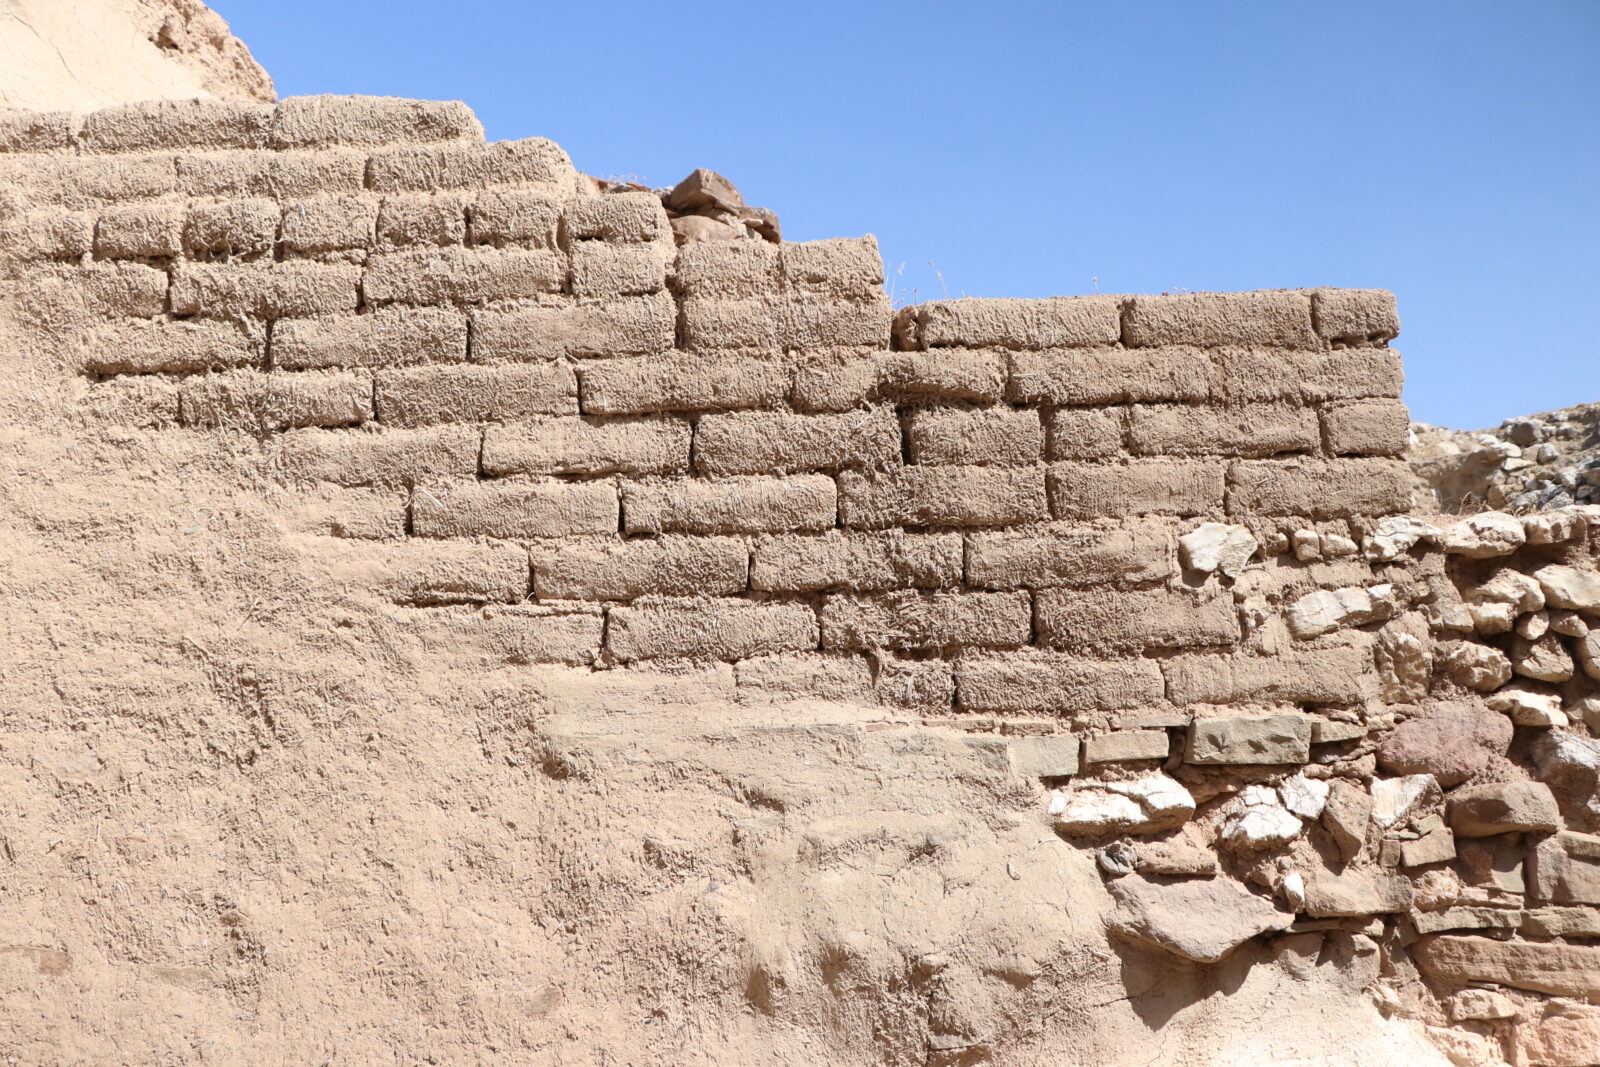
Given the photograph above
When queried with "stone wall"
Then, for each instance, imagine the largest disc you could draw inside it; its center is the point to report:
(1149, 552)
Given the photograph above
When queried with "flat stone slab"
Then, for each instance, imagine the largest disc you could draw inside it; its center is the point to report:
(1272, 739)
(1199, 919)
(1540, 967)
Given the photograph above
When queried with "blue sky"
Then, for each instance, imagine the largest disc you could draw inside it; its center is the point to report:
(1447, 151)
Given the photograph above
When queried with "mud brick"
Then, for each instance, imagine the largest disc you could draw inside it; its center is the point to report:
(727, 270)
(838, 379)
(140, 231)
(628, 326)
(422, 219)
(113, 290)
(1057, 322)
(755, 322)
(1002, 436)
(1033, 681)
(1138, 487)
(334, 511)
(418, 396)
(858, 562)
(514, 509)
(513, 633)
(464, 276)
(730, 505)
(173, 347)
(1110, 376)
(1348, 373)
(156, 124)
(604, 270)
(837, 268)
(1355, 316)
(252, 401)
(49, 233)
(148, 401)
(1279, 319)
(1240, 430)
(819, 676)
(389, 337)
(423, 572)
(532, 162)
(387, 457)
(521, 217)
(329, 224)
(775, 442)
(614, 569)
(1367, 427)
(268, 291)
(810, 322)
(1062, 555)
(233, 227)
(1136, 619)
(616, 217)
(946, 375)
(1319, 488)
(588, 445)
(36, 131)
(919, 684)
(682, 382)
(916, 620)
(317, 121)
(1322, 676)
(942, 496)
(1086, 433)
(709, 629)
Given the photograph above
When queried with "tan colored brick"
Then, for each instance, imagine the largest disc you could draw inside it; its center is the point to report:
(464, 276)
(173, 347)
(36, 131)
(1347, 373)
(390, 337)
(515, 509)
(776, 442)
(156, 124)
(946, 375)
(522, 218)
(233, 227)
(709, 629)
(1243, 430)
(387, 457)
(727, 270)
(614, 569)
(1060, 555)
(1135, 619)
(1125, 745)
(916, 620)
(810, 322)
(683, 382)
(834, 380)
(139, 231)
(617, 217)
(816, 675)
(317, 121)
(422, 572)
(1278, 318)
(731, 505)
(49, 233)
(268, 291)
(419, 396)
(942, 496)
(1035, 681)
(1001, 436)
(512, 633)
(1057, 322)
(255, 402)
(1355, 316)
(858, 562)
(603, 270)
(421, 219)
(1367, 427)
(920, 684)
(533, 162)
(1319, 488)
(1086, 433)
(329, 224)
(1138, 487)
(277, 175)
(838, 268)
(116, 290)
(588, 445)
(720, 324)
(148, 401)
(1110, 376)
(628, 326)
(1335, 675)
(91, 181)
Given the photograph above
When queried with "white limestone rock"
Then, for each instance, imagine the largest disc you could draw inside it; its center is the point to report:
(1218, 546)
(1485, 535)
(1145, 805)
(1396, 801)
(1259, 820)
(1306, 797)
(1528, 707)
(1394, 535)
(1569, 587)
(1326, 610)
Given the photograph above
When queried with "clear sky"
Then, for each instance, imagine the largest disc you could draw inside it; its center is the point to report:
(1449, 151)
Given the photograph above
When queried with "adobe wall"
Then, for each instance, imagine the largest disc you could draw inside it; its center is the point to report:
(1152, 553)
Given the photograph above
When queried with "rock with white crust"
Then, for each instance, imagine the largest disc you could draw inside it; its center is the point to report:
(1485, 535)
(1218, 546)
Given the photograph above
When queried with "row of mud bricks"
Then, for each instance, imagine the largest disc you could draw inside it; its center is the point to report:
(1149, 553)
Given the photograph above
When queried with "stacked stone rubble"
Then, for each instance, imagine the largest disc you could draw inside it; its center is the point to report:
(1151, 553)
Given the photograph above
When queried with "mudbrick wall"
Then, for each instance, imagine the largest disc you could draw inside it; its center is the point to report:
(1152, 553)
